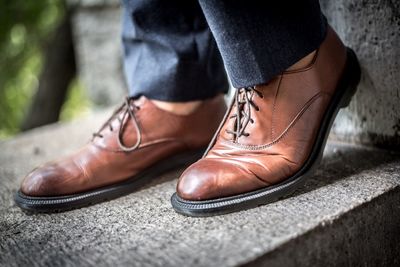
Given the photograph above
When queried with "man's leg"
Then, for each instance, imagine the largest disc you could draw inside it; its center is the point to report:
(293, 74)
(170, 60)
(260, 40)
(169, 51)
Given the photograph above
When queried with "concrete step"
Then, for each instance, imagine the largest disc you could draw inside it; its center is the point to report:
(348, 214)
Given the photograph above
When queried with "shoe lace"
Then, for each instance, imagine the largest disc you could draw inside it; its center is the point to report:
(243, 103)
(126, 110)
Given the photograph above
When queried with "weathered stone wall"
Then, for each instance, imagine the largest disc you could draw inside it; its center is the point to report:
(97, 26)
(370, 27)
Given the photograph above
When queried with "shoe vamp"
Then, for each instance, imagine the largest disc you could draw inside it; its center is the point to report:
(270, 165)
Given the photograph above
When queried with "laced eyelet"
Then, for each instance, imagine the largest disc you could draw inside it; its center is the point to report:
(127, 112)
(242, 106)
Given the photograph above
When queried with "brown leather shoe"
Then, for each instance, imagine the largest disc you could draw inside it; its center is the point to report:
(272, 136)
(137, 143)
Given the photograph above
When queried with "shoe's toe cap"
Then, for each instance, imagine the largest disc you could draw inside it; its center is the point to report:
(44, 181)
(211, 179)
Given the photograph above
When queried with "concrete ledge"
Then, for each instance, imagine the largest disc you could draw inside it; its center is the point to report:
(347, 214)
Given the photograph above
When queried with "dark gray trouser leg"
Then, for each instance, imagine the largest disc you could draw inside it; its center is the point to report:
(169, 51)
(260, 39)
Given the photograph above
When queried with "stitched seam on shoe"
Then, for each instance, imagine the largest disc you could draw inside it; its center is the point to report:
(274, 106)
(144, 145)
(285, 132)
(310, 66)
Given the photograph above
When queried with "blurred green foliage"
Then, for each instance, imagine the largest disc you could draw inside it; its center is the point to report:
(24, 27)
(77, 102)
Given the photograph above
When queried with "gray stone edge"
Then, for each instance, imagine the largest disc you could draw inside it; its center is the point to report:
(370, 228)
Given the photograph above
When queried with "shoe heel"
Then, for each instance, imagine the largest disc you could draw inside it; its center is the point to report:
(351, 79)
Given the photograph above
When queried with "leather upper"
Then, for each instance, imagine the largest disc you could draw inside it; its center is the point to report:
(157, 134)
(276, 130)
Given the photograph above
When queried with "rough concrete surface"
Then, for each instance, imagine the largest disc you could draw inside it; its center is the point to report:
(347, 214)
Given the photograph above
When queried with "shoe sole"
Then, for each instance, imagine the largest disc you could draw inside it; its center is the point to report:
(345, 90)
(79, 200)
